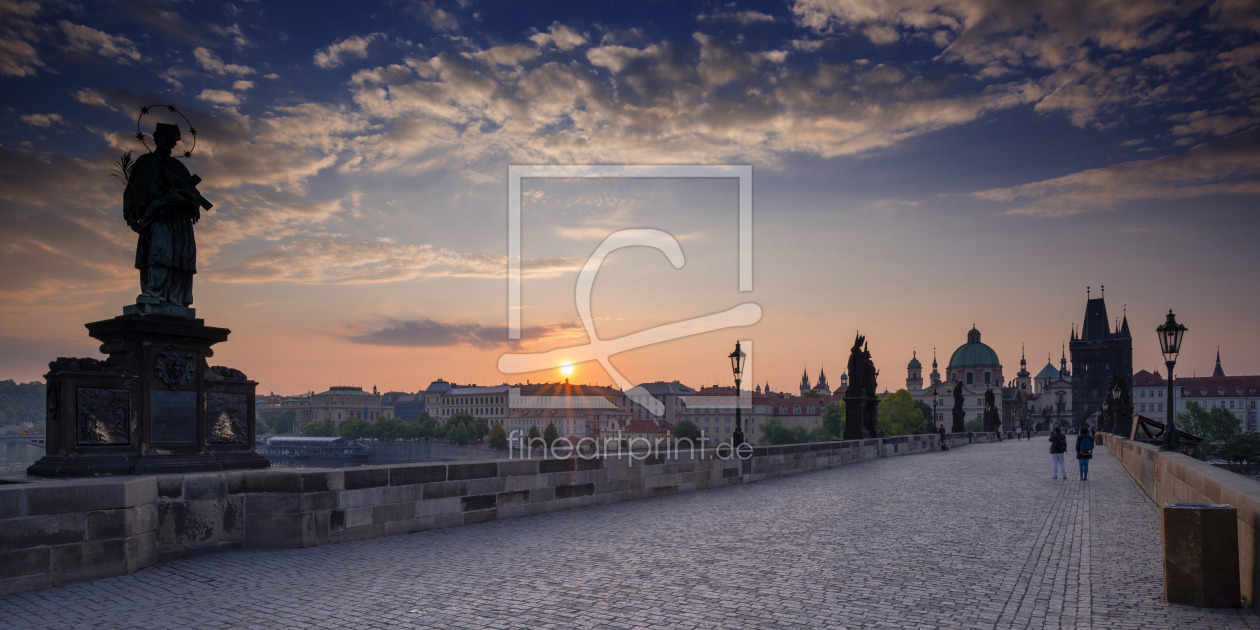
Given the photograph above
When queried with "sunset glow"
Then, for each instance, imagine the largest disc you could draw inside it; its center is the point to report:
(912, 175)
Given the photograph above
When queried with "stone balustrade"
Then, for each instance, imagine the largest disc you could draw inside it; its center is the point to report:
(59, 531)
(1172, 477)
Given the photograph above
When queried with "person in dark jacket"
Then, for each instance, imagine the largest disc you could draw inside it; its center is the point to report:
(941, 431)
(1058, 446)
(1084, 451)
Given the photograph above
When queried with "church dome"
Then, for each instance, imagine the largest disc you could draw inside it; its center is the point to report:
(1048, 372)
(914, 363)
(973, 353)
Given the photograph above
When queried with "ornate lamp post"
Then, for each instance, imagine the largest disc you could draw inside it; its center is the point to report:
(936, 397)
(1170, 333)
(737, 367)
(1113, 422)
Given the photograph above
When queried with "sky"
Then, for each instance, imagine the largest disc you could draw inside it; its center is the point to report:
(918, 167)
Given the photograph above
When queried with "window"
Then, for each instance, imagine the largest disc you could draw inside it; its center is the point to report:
(970, 378)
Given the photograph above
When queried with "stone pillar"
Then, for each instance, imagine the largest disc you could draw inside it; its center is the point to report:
(959, 422)
(871, 421)
(854, 415)
(153, 406)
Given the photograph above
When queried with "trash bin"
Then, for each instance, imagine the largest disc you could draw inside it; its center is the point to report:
(1201, 554)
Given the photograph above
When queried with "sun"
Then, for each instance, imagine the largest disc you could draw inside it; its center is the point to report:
(567, 369)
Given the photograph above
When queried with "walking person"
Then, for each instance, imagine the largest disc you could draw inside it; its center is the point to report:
(1084, 451)
(1058, 446)
(941, 431)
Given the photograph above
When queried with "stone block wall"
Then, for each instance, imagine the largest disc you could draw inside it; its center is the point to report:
(54, 532)
(57, 532)
(1177, 478)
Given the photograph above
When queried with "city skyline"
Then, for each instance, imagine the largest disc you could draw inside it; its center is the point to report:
(918, 168)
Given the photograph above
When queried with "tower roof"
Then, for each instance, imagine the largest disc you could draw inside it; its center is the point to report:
(1049, 371)
(914, 362)
(1218, 371)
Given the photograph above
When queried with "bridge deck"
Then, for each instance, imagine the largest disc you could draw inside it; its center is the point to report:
(978, 537)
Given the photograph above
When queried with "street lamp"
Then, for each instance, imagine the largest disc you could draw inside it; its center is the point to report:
(737, 367)
(1114, 422)
(1170, 333)
(936, 397)
(1105, 416)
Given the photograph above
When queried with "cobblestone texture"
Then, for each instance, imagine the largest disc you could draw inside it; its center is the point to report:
(887, 543)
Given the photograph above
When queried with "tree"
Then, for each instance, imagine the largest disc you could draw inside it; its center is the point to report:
(497, 436)
(897, 414)
(323, 428)
(833, 419)
(821, 434)
(427, 427)
(773, 433)
(283, 422)
(355, 429)
(550, 434)
(975, 425)
(927, 414)
(1217, 426)
(533, 433)
(1242, 450)
(389, 429)
(685, 429)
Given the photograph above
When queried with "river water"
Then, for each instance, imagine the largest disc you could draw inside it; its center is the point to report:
(16, 456)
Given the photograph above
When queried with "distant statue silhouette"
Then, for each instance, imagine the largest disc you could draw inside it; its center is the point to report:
(161, 204)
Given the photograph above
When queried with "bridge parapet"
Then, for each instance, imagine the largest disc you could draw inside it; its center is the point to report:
(59, 531)
(1173, 477)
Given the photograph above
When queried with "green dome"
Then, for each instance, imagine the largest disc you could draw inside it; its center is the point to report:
(1048, 372)
(973, 353)
(914, 363)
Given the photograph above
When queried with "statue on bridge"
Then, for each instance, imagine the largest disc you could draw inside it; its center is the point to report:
(992, 419)
(860, 398)
(161, 203)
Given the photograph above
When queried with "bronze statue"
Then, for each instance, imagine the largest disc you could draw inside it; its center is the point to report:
(161, 203)
(857, 367)
(992, 420)
(958, 396)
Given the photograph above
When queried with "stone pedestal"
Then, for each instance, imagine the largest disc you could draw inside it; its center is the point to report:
(153, 406)
(960, 425)
(1201, 555)
(858, 414)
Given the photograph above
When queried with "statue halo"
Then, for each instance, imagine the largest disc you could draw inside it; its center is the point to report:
(192, 131)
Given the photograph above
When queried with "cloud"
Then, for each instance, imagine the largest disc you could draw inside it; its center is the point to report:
(18, 33)
(219, 97)
(210, 62)
(1229, 166)
(87, 39)
(242, 85)
(438, 18)
(432, 333)
(327, 261)
(336, 54)
(744, 18)
(560, 36)
(41, 120)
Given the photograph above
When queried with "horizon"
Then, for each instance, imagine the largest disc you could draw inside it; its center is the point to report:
(915, 171)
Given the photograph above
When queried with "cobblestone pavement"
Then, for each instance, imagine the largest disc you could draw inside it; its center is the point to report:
(977, 537)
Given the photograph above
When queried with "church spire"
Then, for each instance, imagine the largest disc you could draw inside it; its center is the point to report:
(1218, 371)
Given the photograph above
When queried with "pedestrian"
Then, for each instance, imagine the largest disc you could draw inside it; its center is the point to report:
(1019, 433)
(1058, 446)
(941, 431)
(1084, 451)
